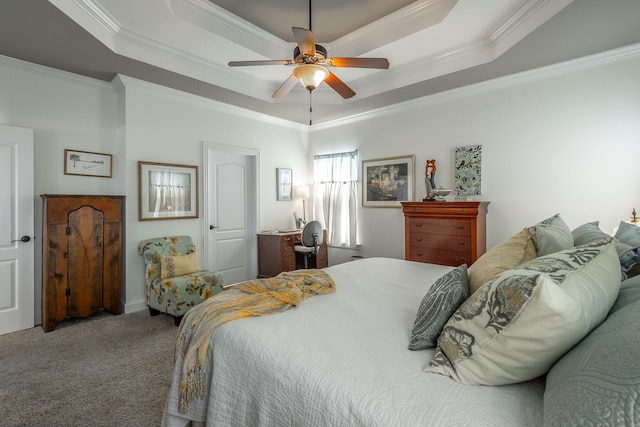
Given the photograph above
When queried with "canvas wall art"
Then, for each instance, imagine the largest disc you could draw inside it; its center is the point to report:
(468, 170)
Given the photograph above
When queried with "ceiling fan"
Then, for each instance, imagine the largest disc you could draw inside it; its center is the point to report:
(311, 61)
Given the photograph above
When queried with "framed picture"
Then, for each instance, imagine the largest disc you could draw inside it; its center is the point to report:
(167, 191)
(387, 182)
(87, 164)
(284, 184)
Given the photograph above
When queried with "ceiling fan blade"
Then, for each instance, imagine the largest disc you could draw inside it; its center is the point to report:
(305, 40)
(339, 86)
(264, 62)
(382, 63)
(285, 87)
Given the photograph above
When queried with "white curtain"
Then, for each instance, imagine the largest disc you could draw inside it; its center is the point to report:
(336, 196)
(169, 191)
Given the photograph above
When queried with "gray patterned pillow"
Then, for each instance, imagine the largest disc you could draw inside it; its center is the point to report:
(551, 235)
(629, 234)
(518, 324)
(599, 378)
(442, 299)
(591, 231)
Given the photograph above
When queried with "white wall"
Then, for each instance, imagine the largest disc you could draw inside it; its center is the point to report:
(553, 141)
(167, 126)
(65, 111)
(557, 140)
(137, 122)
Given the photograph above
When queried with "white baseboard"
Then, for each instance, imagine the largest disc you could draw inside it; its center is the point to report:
(137, 305)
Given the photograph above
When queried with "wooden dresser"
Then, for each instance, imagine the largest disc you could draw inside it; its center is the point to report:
(82, 251)
(276, 253)
(446, 233)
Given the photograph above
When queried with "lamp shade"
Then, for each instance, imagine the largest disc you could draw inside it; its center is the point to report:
(310, 75)
(302, 192)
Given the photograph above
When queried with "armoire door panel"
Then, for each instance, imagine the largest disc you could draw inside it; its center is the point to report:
(85, 262)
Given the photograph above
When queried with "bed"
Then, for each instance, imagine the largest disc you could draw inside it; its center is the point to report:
(568, 355)
(342, 360)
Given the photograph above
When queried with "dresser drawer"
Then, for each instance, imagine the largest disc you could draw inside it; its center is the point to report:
(440, 256)
(440, 241)
(454, 227)
(447, 233)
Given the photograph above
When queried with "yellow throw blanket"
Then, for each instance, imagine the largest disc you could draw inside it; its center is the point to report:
(258, 297)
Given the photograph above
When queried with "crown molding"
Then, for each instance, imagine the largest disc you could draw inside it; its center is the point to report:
(562, 68)
(217, 20)
(401, 23)
(122, 83)
(51, 73)
(210, 24)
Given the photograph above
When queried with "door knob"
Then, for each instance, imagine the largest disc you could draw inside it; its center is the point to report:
(211, 227)
(24, 239)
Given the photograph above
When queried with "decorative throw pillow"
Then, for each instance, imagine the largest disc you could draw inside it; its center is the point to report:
(629, 234)
(516, 250)
(517, 325)
(599, 378)
(443, 298)
(635, 268)
(551, 235)
(590, 231)
(172, 266)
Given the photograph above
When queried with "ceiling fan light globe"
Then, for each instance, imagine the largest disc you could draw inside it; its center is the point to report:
(310, 75)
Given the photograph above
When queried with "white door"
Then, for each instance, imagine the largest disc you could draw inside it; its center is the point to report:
(231, 212)
(16, 229)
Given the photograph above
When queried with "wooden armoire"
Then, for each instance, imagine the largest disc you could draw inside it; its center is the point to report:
(82, 252)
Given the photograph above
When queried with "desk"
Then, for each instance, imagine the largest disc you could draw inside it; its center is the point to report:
(276, 253)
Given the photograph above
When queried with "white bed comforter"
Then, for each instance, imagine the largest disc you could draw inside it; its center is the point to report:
(342, 360)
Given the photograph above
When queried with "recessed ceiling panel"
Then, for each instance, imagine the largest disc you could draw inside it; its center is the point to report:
(331, 19)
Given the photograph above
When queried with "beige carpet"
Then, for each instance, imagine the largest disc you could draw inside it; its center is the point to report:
(112, 371)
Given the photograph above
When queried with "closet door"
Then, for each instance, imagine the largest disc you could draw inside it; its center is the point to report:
(85, 262)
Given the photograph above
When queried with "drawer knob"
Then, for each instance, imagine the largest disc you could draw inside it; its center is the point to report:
(459, 227)
(460, 243)
(418, 224)
(419, 239)
(459, 259)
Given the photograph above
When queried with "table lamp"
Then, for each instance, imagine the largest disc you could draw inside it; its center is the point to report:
(302, 192)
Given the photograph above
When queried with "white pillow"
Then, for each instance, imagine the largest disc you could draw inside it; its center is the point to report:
(517, 325)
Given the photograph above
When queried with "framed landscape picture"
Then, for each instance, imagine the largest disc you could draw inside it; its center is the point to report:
(167, 191)
(87, 163)
(387, 182)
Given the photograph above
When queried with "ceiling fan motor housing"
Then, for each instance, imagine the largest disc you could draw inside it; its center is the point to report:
(321, 55)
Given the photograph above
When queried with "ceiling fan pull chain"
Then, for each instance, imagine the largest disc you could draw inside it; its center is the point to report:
(310, 108)
(309, 15)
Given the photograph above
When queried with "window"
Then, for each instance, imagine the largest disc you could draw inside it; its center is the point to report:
(336, 196)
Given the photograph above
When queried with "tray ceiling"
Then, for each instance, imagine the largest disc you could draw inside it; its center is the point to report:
(186, 44)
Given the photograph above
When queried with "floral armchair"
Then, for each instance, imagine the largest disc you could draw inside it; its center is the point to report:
(174, 281)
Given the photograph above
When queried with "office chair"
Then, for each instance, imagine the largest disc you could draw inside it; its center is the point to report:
(311, 239)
